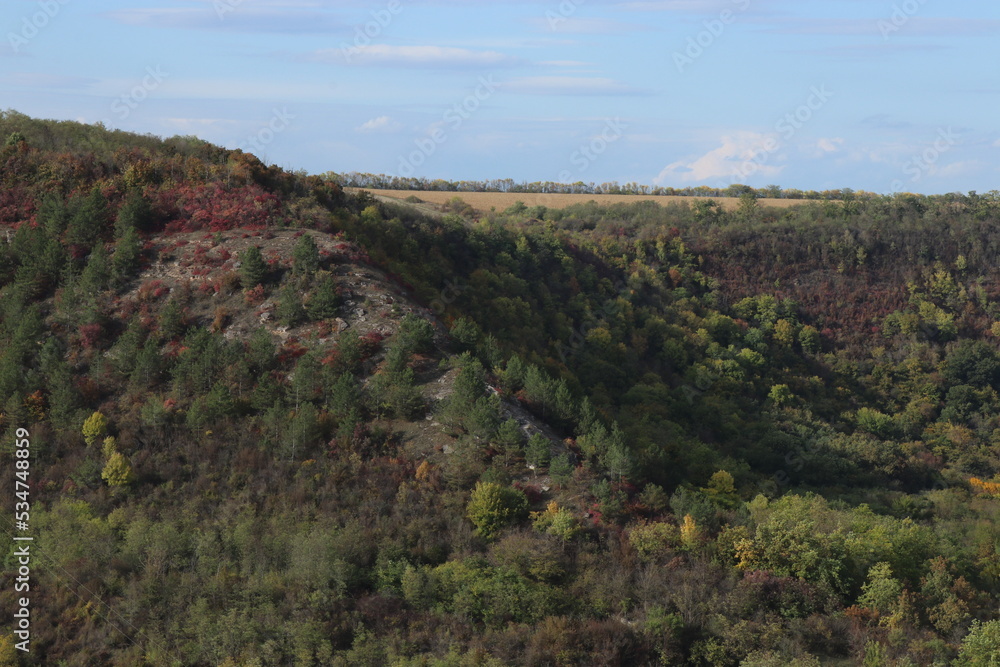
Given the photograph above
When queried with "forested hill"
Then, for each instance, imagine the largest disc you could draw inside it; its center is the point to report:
(272, 423)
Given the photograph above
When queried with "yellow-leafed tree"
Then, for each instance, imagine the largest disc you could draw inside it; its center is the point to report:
(95, 428)
(118, 471)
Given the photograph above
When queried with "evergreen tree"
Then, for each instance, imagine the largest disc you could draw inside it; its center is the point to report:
(343, 396)
(125, 261)
(172, 322)
(97, 272)
(88, 220)
(52, 215)
(261, 351)
(509, 439)
(253, 268)
(465, 333)
(148, 369)
(416, 334)
(135, 213)
(290, 311)
(538, 453)
(325, 301)
(305, 256)
(561, 470)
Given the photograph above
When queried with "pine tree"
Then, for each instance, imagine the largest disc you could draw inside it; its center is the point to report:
(416, 334)
(539, 451)
(561, 470)
(305, 256)
(290, 311)
(125, 261)
(325, 301)
(261, 351)
(88, 220)
(171, 324)
(135, 213)
(253, 268)
(343, 396)
(466, 334)
(97, 272)
(52, 215)
(509, 439)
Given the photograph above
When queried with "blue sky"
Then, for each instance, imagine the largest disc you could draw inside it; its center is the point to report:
(868, 94)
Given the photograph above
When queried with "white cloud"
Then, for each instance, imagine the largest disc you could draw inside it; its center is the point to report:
(741, 155)
(382, 124)
(568, 85)
(996, 144)
(829, 145)
(416, 56)
(565, 63)
(226, 17)
(692, 6)
(582, 26)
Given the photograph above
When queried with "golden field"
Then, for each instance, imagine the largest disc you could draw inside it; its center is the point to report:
(484, 201)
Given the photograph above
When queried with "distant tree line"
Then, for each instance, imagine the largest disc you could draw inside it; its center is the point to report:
(391, 182)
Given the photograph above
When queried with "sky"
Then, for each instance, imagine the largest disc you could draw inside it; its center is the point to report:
(877, 95)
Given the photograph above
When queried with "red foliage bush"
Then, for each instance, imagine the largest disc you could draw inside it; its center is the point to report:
(254, 296)
(153, 289)
(218, 208)
(90, 335)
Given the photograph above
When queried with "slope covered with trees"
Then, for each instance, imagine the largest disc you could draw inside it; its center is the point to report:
(275, 424)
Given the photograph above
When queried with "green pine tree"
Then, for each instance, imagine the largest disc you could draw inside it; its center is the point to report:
(253, 268)
(325, 301)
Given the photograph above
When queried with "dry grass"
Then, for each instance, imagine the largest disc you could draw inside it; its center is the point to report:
(484, 201)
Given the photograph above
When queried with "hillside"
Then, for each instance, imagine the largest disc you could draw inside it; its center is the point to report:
(272, 422)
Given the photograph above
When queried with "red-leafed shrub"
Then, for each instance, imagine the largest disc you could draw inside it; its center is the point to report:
(90, 335)
(291, 352)
(370, 343)
(154, 289)
(255, 295)
(217, 208)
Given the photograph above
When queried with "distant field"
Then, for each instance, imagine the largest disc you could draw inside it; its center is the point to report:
(483, 201)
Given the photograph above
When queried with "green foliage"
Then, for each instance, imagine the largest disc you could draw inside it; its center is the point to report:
(466, 334)
(97, 272)
(338, 531)
(290, 311)
(981, 647)
(415, 334)
(538, 452)
(95, 428)
(654, 541)
(974, 363)
(881, 591)
(305, 256)
(324, 302)
(125, 261)
(493, 507)
(118, 471)
(253, 268)
(172, 322)
(136, 213)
